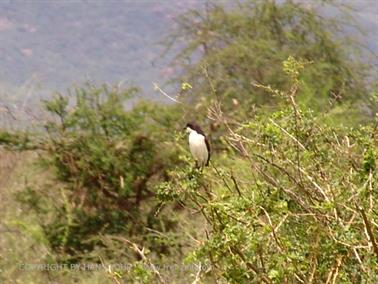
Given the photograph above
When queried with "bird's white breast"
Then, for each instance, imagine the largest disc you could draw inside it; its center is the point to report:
(198, 147)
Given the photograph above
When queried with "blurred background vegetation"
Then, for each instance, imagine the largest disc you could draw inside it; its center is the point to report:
(289, 102)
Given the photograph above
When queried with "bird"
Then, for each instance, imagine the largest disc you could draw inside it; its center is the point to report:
(198, 144)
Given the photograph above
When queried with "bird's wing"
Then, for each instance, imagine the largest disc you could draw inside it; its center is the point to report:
(208, 150)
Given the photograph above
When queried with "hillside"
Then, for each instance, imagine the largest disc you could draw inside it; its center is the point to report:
(58, 43)
(52, 44)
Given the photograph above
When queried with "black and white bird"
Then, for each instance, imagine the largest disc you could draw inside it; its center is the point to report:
(198, 144)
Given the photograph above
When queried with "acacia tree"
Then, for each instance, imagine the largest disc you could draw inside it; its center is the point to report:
(245, 43)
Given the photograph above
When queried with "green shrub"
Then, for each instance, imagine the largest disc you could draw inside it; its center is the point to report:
(293, 200)
(106, 162)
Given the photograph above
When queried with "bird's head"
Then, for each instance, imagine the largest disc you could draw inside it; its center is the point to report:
(189, 127)
(193, 127)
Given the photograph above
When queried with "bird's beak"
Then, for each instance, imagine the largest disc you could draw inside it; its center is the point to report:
(186, 130)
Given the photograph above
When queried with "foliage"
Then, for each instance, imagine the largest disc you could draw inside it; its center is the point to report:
(290, 194)
(16, 140)
(106, 161)
(241, 45)
(293, 200)
(287, 198)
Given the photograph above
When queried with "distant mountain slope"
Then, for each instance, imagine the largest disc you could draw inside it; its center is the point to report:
(60, 42)
(53, 44)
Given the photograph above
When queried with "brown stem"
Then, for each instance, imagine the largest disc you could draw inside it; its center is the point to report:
(369, 230)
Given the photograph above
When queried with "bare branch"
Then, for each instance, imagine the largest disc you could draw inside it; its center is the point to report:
(291, 136)
(368, 230)
(135, 247)
(156, 87)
